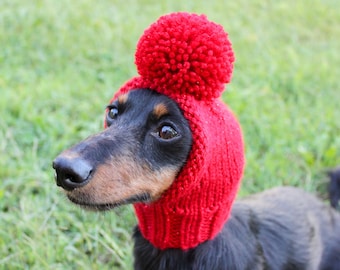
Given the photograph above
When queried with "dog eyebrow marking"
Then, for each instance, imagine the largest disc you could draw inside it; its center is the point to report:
(123, 98)
(159, 110)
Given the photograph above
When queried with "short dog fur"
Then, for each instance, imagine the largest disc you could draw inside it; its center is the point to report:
(139, 156)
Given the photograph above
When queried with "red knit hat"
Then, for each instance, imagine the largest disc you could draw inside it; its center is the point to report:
(189, 59)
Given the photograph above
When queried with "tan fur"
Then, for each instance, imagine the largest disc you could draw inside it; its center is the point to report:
(122, 179)
(123, 98)
(160, 110)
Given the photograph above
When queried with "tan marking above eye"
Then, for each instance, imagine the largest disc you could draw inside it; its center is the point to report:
(160, 110)
(123, 98)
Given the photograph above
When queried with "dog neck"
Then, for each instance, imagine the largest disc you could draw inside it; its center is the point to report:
(167, 226)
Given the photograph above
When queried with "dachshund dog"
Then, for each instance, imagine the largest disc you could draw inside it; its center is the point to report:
(137, 158)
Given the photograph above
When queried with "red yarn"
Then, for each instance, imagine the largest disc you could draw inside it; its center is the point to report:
(189, 59)
(185, 53)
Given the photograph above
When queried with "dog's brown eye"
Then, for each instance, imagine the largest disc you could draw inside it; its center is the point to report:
(113, 113)
(167, 132)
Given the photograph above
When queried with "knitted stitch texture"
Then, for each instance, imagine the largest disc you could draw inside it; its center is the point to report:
(190, 59)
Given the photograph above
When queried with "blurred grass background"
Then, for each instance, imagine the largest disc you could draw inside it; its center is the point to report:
(60, 63)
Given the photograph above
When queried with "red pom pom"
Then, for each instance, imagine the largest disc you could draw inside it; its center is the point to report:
(184, 53)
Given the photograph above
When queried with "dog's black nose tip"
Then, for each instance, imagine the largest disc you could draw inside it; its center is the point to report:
(71, 173)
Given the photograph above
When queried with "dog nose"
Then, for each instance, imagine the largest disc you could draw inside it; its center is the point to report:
(71, 173)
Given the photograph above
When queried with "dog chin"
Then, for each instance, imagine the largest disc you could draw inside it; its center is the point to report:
(93, 206)
(140, 198)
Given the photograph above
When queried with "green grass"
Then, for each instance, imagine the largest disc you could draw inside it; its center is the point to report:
(60, 63)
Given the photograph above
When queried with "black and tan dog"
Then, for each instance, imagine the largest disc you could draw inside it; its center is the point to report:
(138, 157)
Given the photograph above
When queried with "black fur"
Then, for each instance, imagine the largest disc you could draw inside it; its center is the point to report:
(135, 118)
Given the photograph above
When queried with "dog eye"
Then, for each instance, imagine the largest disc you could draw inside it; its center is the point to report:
(113, 113)
(167, 132)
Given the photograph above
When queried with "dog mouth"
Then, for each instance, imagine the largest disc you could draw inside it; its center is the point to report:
(138, 198)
